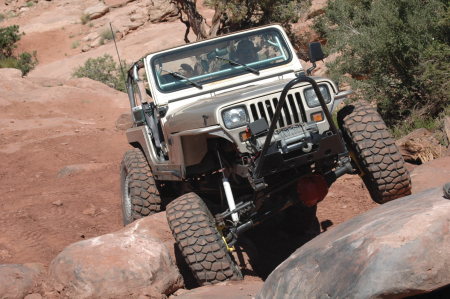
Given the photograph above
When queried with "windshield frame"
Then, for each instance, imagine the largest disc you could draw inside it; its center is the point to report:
(229, 73)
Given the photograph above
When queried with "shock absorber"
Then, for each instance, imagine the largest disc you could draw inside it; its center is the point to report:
(228, 193)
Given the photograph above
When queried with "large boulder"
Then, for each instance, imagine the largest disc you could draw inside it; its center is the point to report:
(420, 146)
(128, 263)
(396, 250)
(96, 11)
(17, 280)
(162, 11)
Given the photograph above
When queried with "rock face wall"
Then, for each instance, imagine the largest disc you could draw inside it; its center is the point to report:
(398, 249)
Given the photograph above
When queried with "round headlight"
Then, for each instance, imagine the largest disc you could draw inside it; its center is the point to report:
(235, 117)
(311, 97)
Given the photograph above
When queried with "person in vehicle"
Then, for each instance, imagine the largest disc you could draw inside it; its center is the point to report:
(186, 70)
(246, 52)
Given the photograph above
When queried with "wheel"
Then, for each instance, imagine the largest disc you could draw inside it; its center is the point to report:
(199, 240)
(374, 152)
(140, 195)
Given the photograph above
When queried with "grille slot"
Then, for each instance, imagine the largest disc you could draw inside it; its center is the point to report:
(291, 113)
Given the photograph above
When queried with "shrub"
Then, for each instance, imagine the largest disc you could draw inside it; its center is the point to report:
(2, 17)
(84, 18)
(29, 4)
(103, 69)
(395, 51)
(26, 62)
(9, 36)
(75, 44)
(106, 35)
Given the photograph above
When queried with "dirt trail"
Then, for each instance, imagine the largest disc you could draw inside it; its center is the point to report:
(47, 126)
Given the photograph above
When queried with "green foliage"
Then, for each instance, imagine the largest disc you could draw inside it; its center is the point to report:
(106, 35)
(103, 69)
(75, 44)
(416, 120)
(9, 36)
(245, 14)
(234, 15)
(8, 62)
(29, 4)
(11, 14)
(26, 62)
(84, 18)
(2, 17)
(396, 52)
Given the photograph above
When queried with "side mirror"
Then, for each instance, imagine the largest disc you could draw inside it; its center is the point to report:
(315, 52)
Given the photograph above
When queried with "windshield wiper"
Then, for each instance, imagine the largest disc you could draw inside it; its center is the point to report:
(181, 77)
(233, 62)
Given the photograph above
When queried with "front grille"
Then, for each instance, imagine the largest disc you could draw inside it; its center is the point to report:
(292, 112)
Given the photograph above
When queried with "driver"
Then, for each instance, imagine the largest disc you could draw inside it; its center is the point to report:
(246, 52)
(186, 70)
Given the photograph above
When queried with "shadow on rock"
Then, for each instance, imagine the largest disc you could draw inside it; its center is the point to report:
(273, 241)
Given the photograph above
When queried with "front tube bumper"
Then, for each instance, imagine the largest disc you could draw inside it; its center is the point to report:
(302, 78)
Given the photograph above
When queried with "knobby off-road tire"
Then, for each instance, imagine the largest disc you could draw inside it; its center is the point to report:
(378, 158)
(199, 241)
(140, 195)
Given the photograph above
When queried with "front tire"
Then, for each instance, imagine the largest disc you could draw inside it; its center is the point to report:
(199, 240)
(374, 152)
(140, 195)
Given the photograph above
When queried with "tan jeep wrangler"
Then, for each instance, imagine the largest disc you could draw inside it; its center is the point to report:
(229, 132)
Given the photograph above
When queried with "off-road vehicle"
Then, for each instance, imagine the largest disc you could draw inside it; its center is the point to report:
(230, 131)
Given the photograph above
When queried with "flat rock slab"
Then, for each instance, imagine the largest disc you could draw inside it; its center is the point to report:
(128, 263)
(431, 174)
(395, 250)
(17, 280)
(223, 290)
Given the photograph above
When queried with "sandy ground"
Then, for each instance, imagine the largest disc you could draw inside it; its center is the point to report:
(47, 126)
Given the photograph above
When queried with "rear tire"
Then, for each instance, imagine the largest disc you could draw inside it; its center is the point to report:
(374, 152)
(140, 195)
(199, 241)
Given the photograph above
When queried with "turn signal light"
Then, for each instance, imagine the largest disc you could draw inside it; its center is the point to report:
(317, 116)
(245, 135)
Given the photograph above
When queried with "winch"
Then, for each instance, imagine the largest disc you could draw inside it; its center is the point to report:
(290, 138)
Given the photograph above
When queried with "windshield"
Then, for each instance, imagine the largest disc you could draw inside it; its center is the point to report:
(219, 59)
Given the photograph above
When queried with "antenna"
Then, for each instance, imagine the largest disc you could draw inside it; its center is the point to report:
(118, 56)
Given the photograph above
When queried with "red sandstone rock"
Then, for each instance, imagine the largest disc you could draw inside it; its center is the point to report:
(396, 250)
(130, 262)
